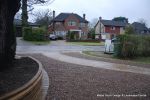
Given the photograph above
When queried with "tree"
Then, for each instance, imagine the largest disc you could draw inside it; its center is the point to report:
(24, 13)
(29, 4)
(91, 33)
(121, 19)
(8, 9)
(43, 17)
(18, 15)
(129, 30)
(93, 22)
(143, 21)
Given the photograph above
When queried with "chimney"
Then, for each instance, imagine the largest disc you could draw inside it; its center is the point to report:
(100, 18)
(100, 28)
(53, 14)
(83, 16)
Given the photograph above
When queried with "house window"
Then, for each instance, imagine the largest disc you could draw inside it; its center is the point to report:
(71, 23)
(112, 28)
(82, 24)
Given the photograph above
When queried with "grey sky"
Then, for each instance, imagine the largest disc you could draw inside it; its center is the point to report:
(107, 9)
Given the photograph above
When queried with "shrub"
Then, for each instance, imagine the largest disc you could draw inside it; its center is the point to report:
(34, 34)
(72, 35)
(129, 46)
(129, 30)
(92, 33)
(145, 46)
(27, 33)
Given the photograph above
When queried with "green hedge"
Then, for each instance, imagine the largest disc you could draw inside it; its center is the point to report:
(130, 46)
(34, 34)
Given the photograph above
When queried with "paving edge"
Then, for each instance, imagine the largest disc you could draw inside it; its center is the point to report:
(94, 56)
(29, 91)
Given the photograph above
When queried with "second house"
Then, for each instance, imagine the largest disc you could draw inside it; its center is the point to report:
(108, 29)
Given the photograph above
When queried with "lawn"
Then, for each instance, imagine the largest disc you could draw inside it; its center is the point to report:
(101, 54)
(142, 59)
(87, 43)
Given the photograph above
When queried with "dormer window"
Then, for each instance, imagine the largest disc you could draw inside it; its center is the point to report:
(71, 23)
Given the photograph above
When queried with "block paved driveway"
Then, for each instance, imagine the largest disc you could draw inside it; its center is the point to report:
(71, 81)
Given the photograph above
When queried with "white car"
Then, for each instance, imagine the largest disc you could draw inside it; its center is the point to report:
(53, 37)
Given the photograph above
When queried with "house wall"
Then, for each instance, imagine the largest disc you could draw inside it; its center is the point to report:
(71, 17)
(84, 30)
(97, 28)
(108, 29)
(122, 30)
(59, 26)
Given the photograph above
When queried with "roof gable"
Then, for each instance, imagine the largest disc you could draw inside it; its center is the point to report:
(62, 16)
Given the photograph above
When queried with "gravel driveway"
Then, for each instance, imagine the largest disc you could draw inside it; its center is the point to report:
(76, 82)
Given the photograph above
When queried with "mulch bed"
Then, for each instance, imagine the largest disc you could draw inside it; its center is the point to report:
(17, 75)
(76, 82)
(107, 59)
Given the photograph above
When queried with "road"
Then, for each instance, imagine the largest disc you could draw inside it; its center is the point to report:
(54, 46)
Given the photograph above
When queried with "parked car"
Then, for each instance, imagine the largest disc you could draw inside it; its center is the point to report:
(53, 37)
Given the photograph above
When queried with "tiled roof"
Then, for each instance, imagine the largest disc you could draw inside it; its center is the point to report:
(62, 16)
(139, 26)
(113, 23)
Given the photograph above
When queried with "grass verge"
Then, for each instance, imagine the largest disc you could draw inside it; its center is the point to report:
(101, 54)
(87, 43)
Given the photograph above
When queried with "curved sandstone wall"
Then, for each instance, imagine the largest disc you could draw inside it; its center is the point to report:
(30, 91)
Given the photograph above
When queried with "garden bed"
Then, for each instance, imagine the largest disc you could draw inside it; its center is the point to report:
(20, 79)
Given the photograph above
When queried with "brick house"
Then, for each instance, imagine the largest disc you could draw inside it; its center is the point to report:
(69, 22)
(107, 29)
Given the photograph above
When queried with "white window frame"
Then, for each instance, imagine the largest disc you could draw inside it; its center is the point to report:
(71, 23)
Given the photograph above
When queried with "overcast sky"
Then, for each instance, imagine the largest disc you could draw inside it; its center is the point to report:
(107, 9)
